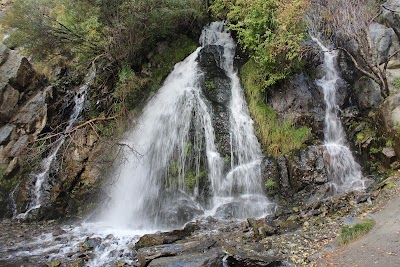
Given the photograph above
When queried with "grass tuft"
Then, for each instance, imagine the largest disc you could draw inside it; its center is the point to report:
(278, 138)
(351, 233)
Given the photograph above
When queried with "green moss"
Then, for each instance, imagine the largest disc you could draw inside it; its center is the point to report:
(396, 83)
(389, 142)
(350, 233)
(210, 85)
(278, 138)
(271, 187)
(188, 149)
(6, 185)
(390, 185)
(191, 179)
(165, 61)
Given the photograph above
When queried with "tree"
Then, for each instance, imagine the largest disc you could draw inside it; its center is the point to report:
(348, 22)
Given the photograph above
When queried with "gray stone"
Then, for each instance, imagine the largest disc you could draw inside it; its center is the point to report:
(391, 15)
(301, 101)
(189, 260)
(17, 71)
(33, 115)
(384, 42)
(5, 133)
(247, 260)
(4, 52)
(9, 98)
(368, 93)
(19, 146)
(390, 112)
(215, 85)
(388, 152)
(12, 169)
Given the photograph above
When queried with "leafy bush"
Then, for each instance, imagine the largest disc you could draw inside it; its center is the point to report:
(119, 32)
(270, 30)
(278, 138)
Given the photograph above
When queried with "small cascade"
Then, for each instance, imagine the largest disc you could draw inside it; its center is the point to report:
(41, 177)
(344, 172)
(176, 171)
(244, 175)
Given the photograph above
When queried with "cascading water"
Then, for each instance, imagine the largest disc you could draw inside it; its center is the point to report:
(172, 168)
(40, 178)
(176, 128)
(344, 172)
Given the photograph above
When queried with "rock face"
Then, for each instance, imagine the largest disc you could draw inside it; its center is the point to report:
(216, 88)
(301, 101)
(391, 15)
(367, 93)
(299, 176)
(27, 109)
(384, 42)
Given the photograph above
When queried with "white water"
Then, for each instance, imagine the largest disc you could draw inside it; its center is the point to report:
(245, 170)
(162, 133)
(343, 171)
(144, 190)
(45, 167)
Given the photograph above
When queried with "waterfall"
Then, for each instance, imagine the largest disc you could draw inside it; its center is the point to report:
(42, 177)
(171, 169)
(343, 171)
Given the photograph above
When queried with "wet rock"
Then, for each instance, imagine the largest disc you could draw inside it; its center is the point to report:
(243, 260)
(5, 133)
(301, 102)
(156, 239)
(228, 211)
(183, 252)
(91, 243)
(216, 88)
(189, 260)
(179, 211)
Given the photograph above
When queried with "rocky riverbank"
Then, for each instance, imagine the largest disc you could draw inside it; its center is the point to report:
(300, 236)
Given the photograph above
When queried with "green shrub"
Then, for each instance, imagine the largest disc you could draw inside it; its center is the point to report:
(350, 233)
(270, 30)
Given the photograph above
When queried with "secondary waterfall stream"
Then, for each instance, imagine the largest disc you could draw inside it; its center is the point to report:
(343, 171)
(42, 176)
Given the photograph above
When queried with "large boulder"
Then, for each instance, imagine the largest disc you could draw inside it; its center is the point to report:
(9, 98)
(33, 115)
(5, 133)
(384, 42)
(390, 112)
(368, 93)
(299, 175)
(17, 71)
(391, 15)
(301, 101)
